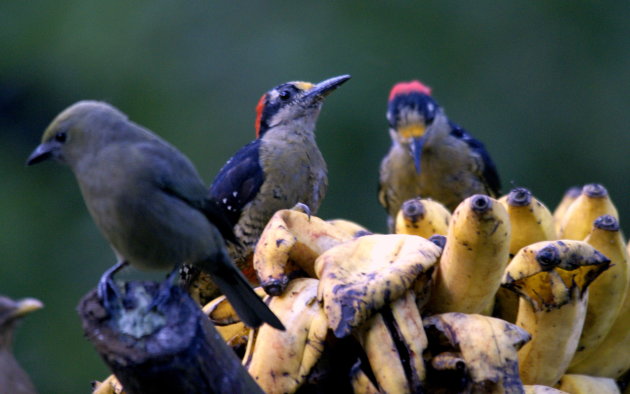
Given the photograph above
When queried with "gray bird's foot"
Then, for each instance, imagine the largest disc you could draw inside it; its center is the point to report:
(164, 291)
(107, 290)
(301, 207)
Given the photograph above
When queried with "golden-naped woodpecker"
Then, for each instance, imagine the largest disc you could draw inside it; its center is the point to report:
(280, 168)
(430, 156)
(149, 202)
(13, 379)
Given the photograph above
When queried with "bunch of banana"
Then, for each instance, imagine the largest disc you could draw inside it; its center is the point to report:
(609, 302)
(473, 353)
(584, 384)
(578, 219)
(291, 242)
(475, 255)
(423, 217)
(552, 279)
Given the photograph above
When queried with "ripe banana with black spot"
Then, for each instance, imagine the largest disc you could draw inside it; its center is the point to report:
(570, 195)
(473, 353)
(351, 229)
(279, 361)
(578, 220)
(423, 217)
(473, 260)
(360, 276)
(552, 279)
(540, 389)
(607, 293)
(291, 242)
(610, 357)
(584, 384)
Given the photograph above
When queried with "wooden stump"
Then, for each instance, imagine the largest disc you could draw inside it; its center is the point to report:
(173, 350)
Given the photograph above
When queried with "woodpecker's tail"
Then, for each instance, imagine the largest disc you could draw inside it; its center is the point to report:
(247, 304)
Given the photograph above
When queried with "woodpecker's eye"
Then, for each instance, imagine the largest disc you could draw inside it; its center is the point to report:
(61, 137)
(284, 95)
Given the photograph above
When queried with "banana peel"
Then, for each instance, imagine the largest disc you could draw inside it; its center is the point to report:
(279, 361)
(478, 352)
(570, 195)
(290, 242)
(360, 276)
(540, 389)
(584, 384)
(422, 217)
(552, 279)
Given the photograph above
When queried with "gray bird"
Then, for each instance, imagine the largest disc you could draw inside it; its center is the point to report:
(147, 199)
(13, 379)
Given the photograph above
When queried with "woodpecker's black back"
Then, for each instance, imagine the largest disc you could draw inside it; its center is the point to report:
(490, 176)
(238, 182)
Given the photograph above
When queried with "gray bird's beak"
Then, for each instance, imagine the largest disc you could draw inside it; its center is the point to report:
(416, 151)
(26, 306)
(44, 151)
(324, 88)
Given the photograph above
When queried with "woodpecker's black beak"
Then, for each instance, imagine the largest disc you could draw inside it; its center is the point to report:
(324, 88)
(43, 152)
(416, 151)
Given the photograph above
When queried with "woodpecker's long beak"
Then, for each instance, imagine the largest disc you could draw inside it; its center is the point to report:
(416, 151)
(415, 133)
(44, 151)
(324, 88)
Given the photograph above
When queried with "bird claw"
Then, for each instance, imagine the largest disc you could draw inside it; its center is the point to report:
(301, 207)
(107, 290)
(164, 291)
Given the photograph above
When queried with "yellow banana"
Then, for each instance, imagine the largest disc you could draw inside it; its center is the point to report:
(290, 242)
(478, 353)
(360, 276)
(234, 332)
(540, 389)
(584, 384)
(351, 229)
(361, 383)
(111, 385)
(531, 222)
(609, 358)
(606, 294)
(473, 260)
(423, 217)
(552, 279)
(570, 195)
(394, 341)
(279, 361)
(578, 220)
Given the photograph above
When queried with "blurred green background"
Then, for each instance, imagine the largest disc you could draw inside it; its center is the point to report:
(545, 84)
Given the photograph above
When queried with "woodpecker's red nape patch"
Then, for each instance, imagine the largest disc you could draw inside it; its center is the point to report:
(409, 87)
(260, 107)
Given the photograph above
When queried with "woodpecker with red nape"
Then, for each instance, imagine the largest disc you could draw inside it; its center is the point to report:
(279, 169)
(430, 156)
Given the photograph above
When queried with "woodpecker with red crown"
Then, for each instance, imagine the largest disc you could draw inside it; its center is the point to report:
(430, 156)
(279, 169)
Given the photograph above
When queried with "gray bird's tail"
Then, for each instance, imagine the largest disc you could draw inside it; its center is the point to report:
(247, 304)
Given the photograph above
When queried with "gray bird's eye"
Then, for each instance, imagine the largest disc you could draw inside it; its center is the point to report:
(284, 95)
